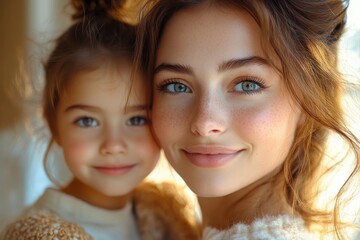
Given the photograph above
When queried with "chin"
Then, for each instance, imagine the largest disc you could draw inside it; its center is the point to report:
(209, 191)
(116, 192)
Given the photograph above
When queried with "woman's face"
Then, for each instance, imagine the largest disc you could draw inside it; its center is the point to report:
(221, 112)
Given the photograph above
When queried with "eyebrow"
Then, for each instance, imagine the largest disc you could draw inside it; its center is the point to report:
(224, 66)
(130, 108)
(236, 63)
(82, 107)
(134, 108)
(173, 68)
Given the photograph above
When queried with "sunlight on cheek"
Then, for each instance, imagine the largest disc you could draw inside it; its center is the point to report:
(79, 150)
(169, 113)
(257, 123)
(166, 126)
(147, 150)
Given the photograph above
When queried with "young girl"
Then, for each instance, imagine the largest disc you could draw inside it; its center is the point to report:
(245, 94)
(103, 130)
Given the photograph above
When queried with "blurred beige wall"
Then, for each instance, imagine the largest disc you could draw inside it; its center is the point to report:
(12, 46)
(27, 28)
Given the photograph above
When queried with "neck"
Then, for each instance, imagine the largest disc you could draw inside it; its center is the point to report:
(262, 198)
(91, 196)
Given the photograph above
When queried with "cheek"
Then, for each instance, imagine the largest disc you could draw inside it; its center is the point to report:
(163, 122)
(272, 124)
(255, 122)
(78, 148)
(145, 146)
(169, 119)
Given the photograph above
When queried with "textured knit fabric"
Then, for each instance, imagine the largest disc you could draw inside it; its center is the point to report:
(97, 222)
(44, 225)
(282, 227)
(58, 216)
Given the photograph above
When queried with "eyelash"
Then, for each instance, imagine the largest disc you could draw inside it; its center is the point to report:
(80, 122)
(144, 120)
(255, 80)
(162, 86)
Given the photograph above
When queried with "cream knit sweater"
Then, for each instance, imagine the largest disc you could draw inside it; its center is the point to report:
(161, 214)
(283, 227)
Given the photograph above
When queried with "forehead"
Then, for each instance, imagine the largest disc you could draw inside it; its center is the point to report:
(107, 78)
(217, 32)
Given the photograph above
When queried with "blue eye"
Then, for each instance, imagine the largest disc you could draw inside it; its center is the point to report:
(248, 86)
(137, 121)
(87, 122)
(175, 87)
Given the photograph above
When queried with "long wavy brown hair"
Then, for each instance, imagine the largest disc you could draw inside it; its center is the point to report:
(304, 35)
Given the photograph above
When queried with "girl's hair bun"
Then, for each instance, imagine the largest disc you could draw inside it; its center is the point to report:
(91, 8)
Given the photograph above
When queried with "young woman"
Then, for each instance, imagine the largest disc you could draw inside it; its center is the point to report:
(245, 94)
(96, 110)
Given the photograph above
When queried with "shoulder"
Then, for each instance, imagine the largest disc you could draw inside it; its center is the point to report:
(282, 227)
(164, 212)
(43, 225)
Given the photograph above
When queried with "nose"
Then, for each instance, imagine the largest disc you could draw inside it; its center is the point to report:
(113, 144)
(209, 117)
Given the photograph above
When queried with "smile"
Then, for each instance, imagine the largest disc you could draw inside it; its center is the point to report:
(114, 170)
(210, 156)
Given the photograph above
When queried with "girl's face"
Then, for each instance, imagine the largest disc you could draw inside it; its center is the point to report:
(105, 136)
(221, 112)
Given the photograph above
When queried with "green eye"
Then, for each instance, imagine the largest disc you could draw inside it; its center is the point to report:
(248, 86)
(176, 88)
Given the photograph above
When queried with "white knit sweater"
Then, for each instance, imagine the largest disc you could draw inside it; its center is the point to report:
(283, 227)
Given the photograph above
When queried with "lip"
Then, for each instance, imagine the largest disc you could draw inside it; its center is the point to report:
(114, 170)
(210, 156)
